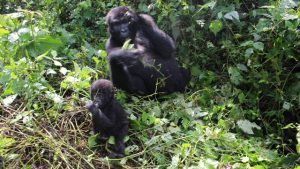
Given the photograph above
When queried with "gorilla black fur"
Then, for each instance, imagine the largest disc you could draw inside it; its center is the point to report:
(151, 66)
(108, 116)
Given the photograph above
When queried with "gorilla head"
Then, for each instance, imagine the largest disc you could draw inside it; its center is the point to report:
(121, 23)
(102, 92)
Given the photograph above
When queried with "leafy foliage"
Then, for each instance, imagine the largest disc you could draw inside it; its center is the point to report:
(241, 109)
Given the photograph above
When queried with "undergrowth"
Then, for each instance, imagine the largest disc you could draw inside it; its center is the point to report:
(240, 110)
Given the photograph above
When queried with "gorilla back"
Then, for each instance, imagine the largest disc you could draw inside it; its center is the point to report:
(151, 66)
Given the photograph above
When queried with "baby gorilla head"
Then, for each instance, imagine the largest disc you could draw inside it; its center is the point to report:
(102, 93)
(121, 23)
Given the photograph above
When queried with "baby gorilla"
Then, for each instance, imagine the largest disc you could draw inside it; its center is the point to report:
(108, 116)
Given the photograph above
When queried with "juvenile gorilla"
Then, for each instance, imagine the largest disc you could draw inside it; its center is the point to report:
(109, 118)
(151, 66)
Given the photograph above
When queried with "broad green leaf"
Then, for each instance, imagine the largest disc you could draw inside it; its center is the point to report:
(131, 148)
(126, 139)
(175, 161)
(247, 43)
(287, 105)
(13, 37)
(3, 32)
(235, 75)
(215, 26)
(50, 71)
(232, 15)
(288, 4)
(242, 67)
(5, 142)
(111, 140)
(247, 127)
(127, 44)
(55, 97)
(85, 4)
(76, 68)
(63, 70)
(241, 97)
(195, 71)
(248, 52)
(9, 100)
(92, 141)
(289, 17)
(263, 25)
(57, 63)
(258, 46)
(53, 53)
(101, 53)
(156, 111)
(44, 43)
(176, 32)
(245, 159)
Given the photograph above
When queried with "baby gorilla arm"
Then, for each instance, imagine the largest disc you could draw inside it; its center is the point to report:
(99, 117)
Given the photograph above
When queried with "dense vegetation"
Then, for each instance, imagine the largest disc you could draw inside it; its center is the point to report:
(241, 109)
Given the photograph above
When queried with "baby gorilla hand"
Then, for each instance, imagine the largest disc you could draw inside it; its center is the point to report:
(91, 107)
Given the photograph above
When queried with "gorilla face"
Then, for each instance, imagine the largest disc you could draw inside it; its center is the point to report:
(121, 23)
(102, 93)
(120, 29)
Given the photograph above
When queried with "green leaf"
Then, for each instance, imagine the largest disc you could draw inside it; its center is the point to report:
(63, 70)
(289, 17)
(49, 41)
(5, 142)
(111, 140)
(53, 53)
(45, 43)
(287, 105)
(232, 15)
(76, 68)
(235, 75)
(248, 52)
(127, 44)
(102, 53)
(247, 127)
(288, 4)
(156, 111)
(247, 43)
(92, 141)
(245, 159)
(258, 46)
(55, 97)
(215, 26)
(3, 32)
(242, 67)
(57, 63)
(42, 56)
(241, 97)
(50, 71)
(195, 71)
(263, 25)
(9, 100)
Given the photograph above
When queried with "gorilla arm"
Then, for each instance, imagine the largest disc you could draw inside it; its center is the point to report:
(162, 44)
(111, 45)
(98, 116)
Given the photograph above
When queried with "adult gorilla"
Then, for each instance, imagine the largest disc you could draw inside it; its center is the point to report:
(151, 66)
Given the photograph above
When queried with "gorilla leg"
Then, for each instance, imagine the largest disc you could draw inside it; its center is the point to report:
(126, 71)
(119, 147)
